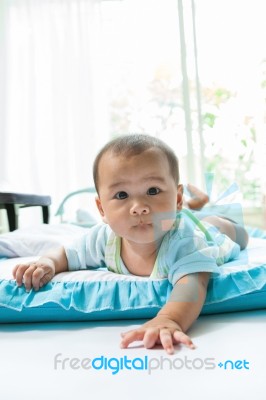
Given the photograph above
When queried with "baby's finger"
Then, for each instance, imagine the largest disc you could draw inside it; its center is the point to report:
(14, 271)
(181, 337)
(167, 340)
(43, 277)
(36, 278)
(27, 277)
(150, 338)
(19, 271)
(46, 278)
(131, 336)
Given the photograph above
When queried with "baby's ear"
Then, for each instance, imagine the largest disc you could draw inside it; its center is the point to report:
(100, 208)
(179, 197)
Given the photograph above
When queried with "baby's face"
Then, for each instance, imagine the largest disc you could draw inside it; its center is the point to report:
(138, 196)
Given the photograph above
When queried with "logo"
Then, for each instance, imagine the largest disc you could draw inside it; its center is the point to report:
(145, 364)
(230, 364)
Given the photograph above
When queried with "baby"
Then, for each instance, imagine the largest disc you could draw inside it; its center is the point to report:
(146, 232)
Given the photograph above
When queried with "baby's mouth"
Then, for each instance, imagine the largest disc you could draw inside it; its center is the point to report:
(143, 223)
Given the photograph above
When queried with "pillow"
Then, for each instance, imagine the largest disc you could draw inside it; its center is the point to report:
(100, 295)
(37, 239)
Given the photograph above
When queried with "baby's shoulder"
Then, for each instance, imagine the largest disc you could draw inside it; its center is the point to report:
(99, 231)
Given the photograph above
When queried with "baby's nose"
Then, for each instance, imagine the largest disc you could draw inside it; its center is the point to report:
(138, 209)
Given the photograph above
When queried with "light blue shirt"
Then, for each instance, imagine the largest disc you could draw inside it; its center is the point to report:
(191, 246)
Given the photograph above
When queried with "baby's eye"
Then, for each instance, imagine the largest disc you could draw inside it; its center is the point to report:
(121, 195)
(153, 191)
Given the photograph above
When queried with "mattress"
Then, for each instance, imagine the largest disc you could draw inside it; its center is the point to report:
(103, 295)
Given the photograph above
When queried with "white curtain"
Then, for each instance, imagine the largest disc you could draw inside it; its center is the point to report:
(53, 118)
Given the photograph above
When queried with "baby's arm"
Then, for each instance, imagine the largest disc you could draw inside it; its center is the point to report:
(175, 317)
(38, 273)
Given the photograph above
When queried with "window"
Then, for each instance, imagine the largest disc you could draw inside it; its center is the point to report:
(224, 99)
(76, 73)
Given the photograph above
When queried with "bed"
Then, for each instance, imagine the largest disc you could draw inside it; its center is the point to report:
(65, 342)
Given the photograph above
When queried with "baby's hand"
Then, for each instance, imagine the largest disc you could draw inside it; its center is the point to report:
(160, 330)
(34, 274)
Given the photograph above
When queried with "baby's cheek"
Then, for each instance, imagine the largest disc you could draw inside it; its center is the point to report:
(118, 225)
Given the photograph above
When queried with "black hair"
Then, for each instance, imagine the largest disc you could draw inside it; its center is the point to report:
(134, 144)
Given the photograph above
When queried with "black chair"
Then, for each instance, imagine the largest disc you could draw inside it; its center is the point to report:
(12, 202)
